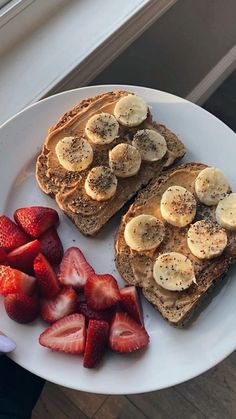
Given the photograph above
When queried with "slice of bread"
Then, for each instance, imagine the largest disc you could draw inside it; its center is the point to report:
(68, 187)
(136, 268)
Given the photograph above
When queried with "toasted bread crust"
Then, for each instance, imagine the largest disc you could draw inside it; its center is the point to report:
(90, 224)
(210, 276)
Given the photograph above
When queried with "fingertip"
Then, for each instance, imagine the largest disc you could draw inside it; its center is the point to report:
(6, 344)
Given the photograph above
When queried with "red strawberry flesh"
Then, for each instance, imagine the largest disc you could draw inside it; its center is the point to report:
(11, 235)
(46, 277)
(130, 302)
(36, 220)
(22, 257)
(51, 246)
(62, 305)
(14, 281)
(21, 307)
(74, 268)
(126, 335)
(96, 342)
(101, 291)
(65, 335)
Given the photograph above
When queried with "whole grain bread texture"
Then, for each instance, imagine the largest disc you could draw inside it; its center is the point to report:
(67, 188)
(136, 267)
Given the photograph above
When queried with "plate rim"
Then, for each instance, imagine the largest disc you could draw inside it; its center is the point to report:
(107, 87)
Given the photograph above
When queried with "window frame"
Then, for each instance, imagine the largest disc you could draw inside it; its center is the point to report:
(11, 9)
(31, 30)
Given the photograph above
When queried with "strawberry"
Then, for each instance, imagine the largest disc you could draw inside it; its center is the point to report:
(91, 314)
(3, 257)
(22, 257)
(96, 342)
(21, 308)
(51, 246)
(101, 291)
(130, 302)
(14, 281)
(126, 335)
(11, 235)
(62, 305)
(65, 335)
(46, 277)
(36, 220)
(74, 268)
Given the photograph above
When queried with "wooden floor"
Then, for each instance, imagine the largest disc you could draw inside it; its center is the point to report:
(211, 395)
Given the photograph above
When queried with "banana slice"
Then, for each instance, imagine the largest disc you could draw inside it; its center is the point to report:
(173, 271)
(150, 144)
(124, 160)
(211, 185)
(144, 232)
(101, 183)
(131, 110)
(226, 212)
(74, 153)
(178, 206)
(102, 128)
(206, 239)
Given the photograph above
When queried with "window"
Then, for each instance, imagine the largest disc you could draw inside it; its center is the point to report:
(4, 2)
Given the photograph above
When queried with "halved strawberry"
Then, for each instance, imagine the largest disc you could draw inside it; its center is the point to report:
(126, 335)
(11, 235)
(46, 277)
(22, 257)
(65, 335)
(51, 246)
(36, 220)
(74, 268)
(91, 314)
(101, 291)
(131, 303)
(96, 342)
(14, 281)
(3, 257)
(62, 305)
(21, 307)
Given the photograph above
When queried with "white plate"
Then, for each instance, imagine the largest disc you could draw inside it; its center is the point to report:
(173, 355)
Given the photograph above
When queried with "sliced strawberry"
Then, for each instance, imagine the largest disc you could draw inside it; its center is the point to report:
(3, 257)
(101, 291)
(65, 335)
(14, 281)
(130, 302)
(11, 235)
(46, 277)
(126, 335)
(36, 220)
(91, 314)
(96, 342)
(22, 257)
(74, 268)
(51, 246)
(62, 305)
(21, 307)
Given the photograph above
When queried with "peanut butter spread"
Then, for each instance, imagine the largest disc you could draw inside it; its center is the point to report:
(174, 303)
(68, 186)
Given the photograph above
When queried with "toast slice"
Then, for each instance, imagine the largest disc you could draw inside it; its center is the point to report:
(67, 188)
(136, 268)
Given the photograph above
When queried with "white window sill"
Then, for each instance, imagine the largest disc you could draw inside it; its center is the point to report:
(82, 36)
